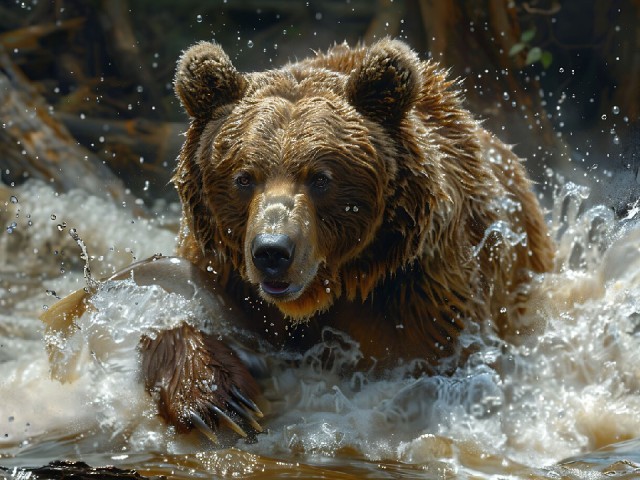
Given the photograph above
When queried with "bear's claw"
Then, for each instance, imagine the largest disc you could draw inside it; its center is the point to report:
(199, 382)
(202, 426)
(246, 401)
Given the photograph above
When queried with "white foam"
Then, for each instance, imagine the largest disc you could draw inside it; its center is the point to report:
(572, 389)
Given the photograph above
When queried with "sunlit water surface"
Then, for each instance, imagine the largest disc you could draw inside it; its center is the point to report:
(564, 403)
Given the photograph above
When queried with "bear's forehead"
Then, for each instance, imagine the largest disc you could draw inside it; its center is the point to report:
(270, 130)
(307, 113)
(292, 117)
(296, 83)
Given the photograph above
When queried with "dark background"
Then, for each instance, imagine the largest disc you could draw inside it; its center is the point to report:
(86, 95)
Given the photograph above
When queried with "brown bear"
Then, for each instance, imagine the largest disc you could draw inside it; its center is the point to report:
(352, 190)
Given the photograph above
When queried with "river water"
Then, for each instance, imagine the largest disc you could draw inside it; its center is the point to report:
(564, 403)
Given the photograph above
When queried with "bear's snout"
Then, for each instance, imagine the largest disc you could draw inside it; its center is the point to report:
(280, 250)
(272, 254)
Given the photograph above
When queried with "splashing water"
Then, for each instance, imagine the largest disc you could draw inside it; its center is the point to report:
(512, 411)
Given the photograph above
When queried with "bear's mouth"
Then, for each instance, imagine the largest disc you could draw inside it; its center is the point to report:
(279, 289)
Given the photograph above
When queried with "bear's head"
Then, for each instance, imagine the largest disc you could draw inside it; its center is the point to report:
(292, 176)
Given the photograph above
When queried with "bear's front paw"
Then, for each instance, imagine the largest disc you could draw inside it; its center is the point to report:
(199, 382)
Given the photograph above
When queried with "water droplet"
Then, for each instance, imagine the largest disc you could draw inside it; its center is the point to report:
(250, 44)
(615, 110)
(13, 199)
(604, 116)
(505, 95)
(561, 70)
(53, 217)
(355, 209)
(199, 18)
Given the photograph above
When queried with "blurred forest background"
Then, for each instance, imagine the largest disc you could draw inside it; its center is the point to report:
(86, 96)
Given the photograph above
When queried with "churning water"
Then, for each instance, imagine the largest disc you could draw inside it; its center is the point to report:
(564, 403)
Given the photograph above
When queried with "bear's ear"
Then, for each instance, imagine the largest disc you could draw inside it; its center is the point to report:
(387, 82)
(206, 79)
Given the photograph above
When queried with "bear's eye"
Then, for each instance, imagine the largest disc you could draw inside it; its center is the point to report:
(320, 182)
(243, 180)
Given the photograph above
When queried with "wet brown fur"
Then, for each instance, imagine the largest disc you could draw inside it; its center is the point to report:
(190, 373)
(402, 149)
(390, 251)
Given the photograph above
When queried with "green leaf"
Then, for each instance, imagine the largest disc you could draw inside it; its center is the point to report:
(533, 56)
(516, 48)
(528, 35)
(546, 59)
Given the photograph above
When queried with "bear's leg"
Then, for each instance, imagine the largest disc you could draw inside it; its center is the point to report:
(199, 382)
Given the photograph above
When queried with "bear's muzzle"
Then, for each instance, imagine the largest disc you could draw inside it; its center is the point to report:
(272, 254)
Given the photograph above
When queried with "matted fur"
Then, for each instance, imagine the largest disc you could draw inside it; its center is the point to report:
(367, 160)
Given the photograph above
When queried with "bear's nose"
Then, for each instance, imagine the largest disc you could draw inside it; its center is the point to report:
(272, 253)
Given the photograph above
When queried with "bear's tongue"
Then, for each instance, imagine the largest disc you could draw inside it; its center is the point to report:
(275, 288)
